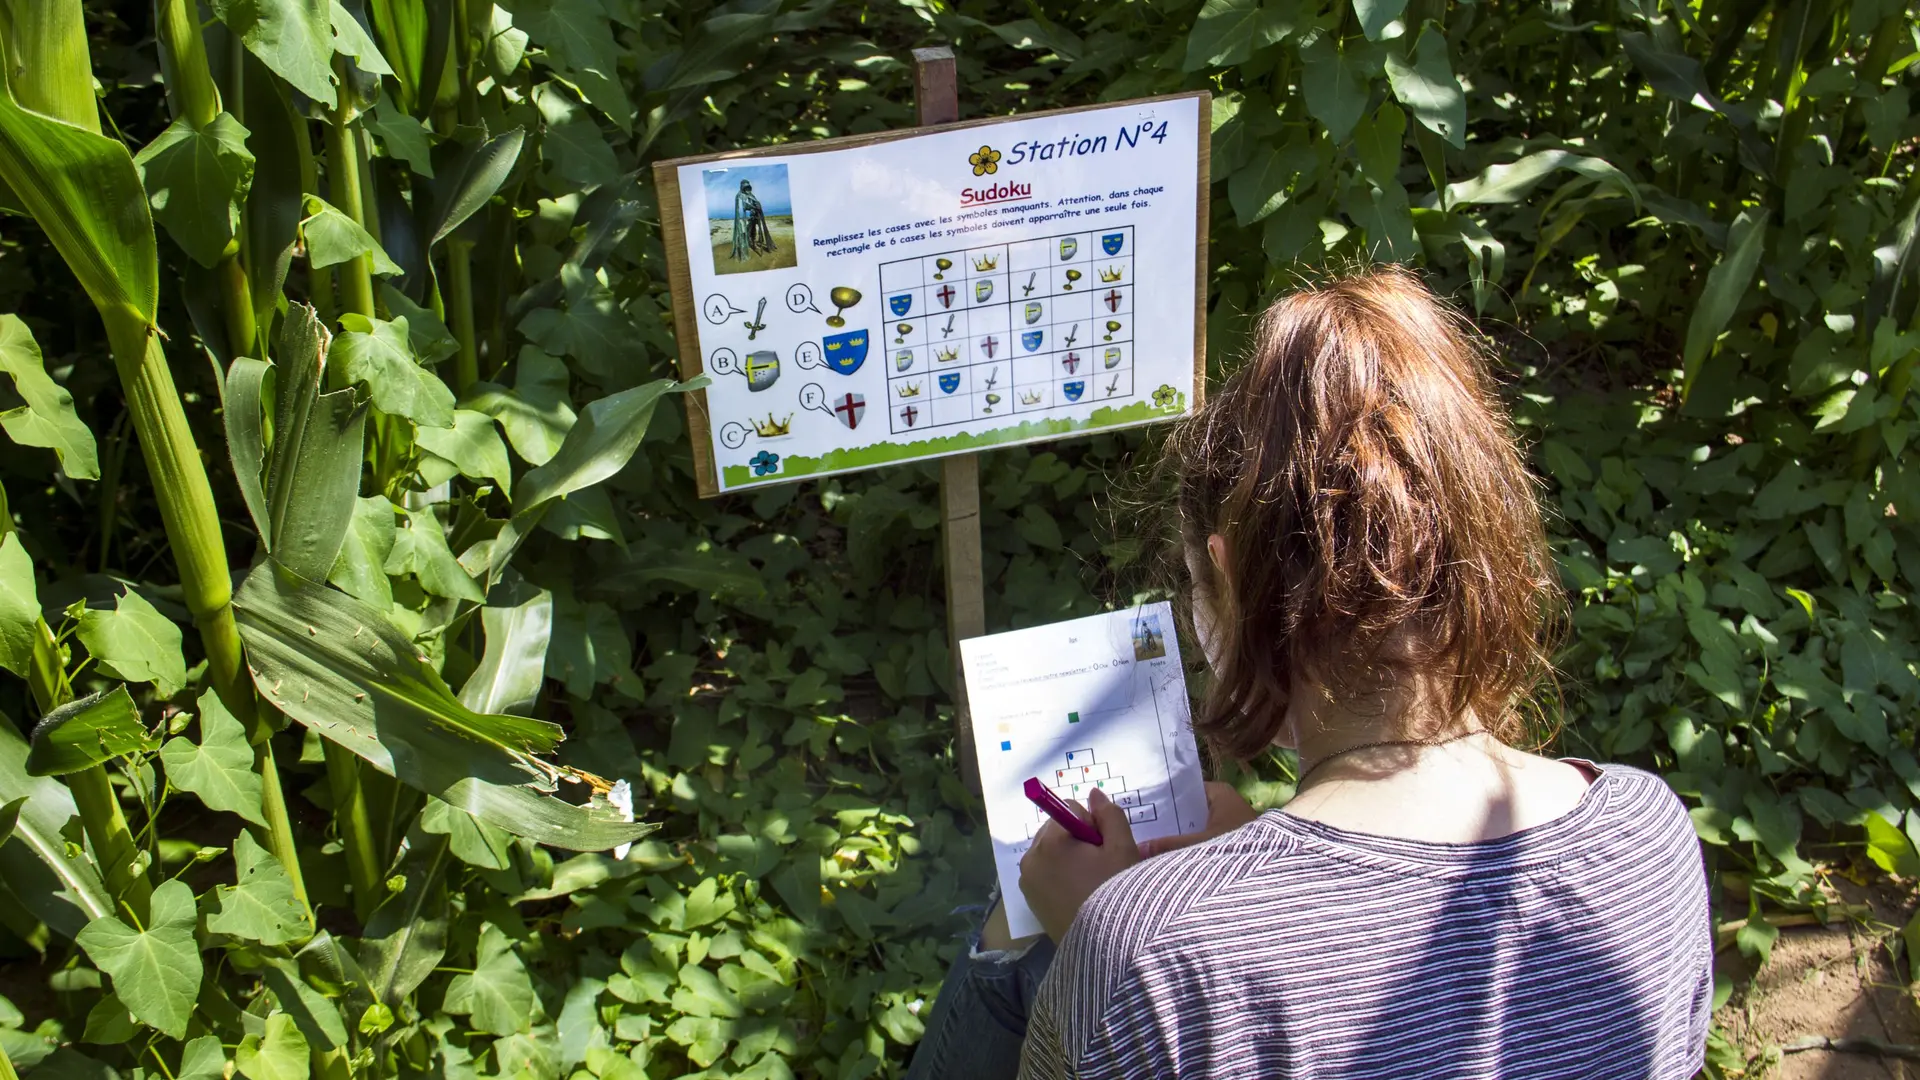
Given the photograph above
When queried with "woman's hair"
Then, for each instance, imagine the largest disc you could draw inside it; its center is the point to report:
(1379, 521)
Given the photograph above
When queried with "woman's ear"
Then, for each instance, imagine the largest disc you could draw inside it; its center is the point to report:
(1217, 551)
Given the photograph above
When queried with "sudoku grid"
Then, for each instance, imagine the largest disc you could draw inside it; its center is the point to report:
(1008, 328)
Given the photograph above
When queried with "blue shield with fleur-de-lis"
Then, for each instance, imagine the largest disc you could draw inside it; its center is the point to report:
(950, 382)
(845, 352)
(1031, 339)
(1074, 389)
(1110, 243)
(900, 304)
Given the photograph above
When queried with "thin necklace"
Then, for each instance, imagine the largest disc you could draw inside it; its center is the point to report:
(1302, 782)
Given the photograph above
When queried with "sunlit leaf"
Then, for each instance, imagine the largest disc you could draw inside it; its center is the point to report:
(421, 549)
(156, 971)
(260, 905)
(536, 413)
(351, 39)
(219, 768)
(134, 643)
(360, 569)
(55, 881)
(472, 445)
(1428, 88)
(19, 606)
(88, 731)
(197, 181)
(510, 674)
(1335, 85)
(1726, 284)
(47, 418)
(333, 238)
(292, 37)
(281, 1053)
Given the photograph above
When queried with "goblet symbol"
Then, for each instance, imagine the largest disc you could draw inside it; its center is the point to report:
(1072, 276)
(843, 298)
(992, 400)
(902, 331)
(941, 266)
(1112, 326)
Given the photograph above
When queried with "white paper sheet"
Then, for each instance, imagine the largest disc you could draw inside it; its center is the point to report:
(1095, 702)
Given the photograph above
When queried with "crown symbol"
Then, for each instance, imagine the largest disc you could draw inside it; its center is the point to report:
(1110, 274)
(1030, 397)
(773, 427)
(946, 354)
(986, 262)
(909, 389)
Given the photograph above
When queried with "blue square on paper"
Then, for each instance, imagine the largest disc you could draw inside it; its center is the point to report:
(1005, 744)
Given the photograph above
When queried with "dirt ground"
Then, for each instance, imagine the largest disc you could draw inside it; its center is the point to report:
(1840, 981)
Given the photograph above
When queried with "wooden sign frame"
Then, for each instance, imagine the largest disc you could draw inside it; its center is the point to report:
(685, 315)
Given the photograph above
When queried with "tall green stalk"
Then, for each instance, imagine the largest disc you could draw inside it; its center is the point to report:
(50, 73)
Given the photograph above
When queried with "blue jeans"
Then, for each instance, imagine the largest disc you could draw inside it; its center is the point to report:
(980, 1019)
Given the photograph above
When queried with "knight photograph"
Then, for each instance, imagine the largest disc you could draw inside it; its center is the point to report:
(749, 219)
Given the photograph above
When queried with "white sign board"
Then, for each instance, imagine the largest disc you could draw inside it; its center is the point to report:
(1099, 702)
(887, 298)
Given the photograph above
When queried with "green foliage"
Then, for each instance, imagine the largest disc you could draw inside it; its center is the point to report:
(156, 968)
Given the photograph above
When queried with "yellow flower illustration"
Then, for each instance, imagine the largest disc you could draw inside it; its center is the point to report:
(984, 160)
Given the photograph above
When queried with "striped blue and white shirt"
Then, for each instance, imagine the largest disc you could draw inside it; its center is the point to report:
(1580, 947)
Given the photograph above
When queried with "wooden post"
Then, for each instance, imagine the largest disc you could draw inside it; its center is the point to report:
(936, 92)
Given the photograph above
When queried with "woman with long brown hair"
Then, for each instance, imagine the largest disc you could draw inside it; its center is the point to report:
(1370, 584)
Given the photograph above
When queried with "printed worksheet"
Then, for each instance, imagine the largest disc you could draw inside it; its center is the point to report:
(883, 298)
(1099, 702)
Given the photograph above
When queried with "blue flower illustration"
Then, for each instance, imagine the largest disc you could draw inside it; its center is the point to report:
(765, 463)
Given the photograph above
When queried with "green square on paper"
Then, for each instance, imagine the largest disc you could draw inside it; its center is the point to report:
(1073, 718)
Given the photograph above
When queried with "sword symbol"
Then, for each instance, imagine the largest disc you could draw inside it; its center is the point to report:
(759, 323)
(947, 329)
(1028, 291)
(1071, 334)
(1114, 386)
(991, 379)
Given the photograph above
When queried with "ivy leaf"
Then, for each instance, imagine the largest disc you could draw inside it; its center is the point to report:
(571, 142)
(278, 1054)
(294, 38)
(401, 135)
(1377, 15)
(582, 47)
(429, 336)
(19, 606)
(134, 643)
(377, 352)
(351, 39)
(1428, 88)
(421, 549)
(86, 732)
(48, 418)
(108, 1023)
(203, 1059)
(472, 446)
(536, 413)
(498, 995)
(589, 646)
(360, 569)
(197, 181)
(333, 238)
(1335, 85)
(260, 905)
(1226, 32)
(155, 971)
(219, 769)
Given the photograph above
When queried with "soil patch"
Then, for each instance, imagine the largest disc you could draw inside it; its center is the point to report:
(1840, 981)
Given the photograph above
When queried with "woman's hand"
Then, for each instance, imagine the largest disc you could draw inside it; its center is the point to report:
(1058, 873)
(1226, 811)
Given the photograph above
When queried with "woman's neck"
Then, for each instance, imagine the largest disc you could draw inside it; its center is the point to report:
(1410, 711)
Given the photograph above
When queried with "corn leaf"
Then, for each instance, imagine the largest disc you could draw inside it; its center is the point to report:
(19, 606)
(84, 191)
(316, 452)
(340, 667)
(61, 890)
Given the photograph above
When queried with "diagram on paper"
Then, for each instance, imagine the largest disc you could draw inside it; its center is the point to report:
(1082, 773)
